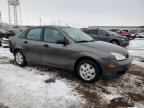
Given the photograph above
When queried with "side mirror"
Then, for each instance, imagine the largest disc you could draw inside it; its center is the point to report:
(63, 41)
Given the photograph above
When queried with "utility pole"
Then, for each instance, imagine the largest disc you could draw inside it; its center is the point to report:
(9, 13)
(20, 15)
(40, 21)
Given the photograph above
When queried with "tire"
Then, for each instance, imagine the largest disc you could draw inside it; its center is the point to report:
(83, 69)
(129, 38)
(19, 58)
(115, 42)
(0, 43)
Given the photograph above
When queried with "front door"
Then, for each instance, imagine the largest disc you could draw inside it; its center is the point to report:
(53, 49)
(103, 35)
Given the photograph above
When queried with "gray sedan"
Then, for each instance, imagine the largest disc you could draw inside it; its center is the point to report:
(69, 48)
(107, 36)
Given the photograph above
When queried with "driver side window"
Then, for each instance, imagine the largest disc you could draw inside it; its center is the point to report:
(53, 36)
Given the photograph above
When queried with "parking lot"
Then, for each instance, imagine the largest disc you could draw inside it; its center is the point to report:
(36, 86)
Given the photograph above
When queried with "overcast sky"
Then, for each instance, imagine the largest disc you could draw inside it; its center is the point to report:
(79, 12)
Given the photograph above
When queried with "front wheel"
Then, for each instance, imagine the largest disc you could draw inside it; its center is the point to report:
(88, 71)
(20, 58)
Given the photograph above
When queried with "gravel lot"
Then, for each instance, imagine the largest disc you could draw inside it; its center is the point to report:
(36, 86)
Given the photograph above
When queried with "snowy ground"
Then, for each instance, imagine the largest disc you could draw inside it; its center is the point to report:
(44, 87)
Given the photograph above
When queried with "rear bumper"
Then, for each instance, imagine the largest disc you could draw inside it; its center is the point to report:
(122, 67)
(5, 43)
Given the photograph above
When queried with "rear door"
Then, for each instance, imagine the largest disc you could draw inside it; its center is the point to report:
(31, 44)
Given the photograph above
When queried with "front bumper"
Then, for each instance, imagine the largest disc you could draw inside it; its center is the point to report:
(124, 43)
(122, 67)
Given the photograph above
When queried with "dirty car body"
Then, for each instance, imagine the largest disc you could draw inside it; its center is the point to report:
(70, 48)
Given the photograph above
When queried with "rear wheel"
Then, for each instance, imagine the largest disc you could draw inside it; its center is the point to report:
(20, 58)
(88, 71)
(0, 43)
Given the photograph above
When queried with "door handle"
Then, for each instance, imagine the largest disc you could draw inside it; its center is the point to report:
(46, 45)
(25, 42)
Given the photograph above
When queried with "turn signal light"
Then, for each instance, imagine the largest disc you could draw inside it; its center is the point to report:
(111, 66)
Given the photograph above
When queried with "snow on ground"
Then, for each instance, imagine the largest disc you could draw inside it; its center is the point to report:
(24, 88)
(21, 87)
(5, 52)
(43, 87)
(136, 48)
(138, 63)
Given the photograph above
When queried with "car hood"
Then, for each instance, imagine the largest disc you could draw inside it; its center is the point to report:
(106, 47)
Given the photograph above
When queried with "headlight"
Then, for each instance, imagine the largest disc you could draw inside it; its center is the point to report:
(119, 56)
(123, 39)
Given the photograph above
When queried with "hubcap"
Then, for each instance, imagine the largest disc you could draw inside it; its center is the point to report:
(19, 58)
(87, 71)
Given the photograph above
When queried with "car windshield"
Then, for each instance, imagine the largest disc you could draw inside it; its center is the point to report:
(113, 33)
(77, 35)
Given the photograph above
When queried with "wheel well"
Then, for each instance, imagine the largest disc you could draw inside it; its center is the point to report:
(16, 50)
(115, 40)
(86, 58)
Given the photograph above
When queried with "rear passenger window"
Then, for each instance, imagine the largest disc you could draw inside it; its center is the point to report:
(34, 34)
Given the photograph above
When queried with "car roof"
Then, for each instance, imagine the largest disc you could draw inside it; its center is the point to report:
(89, 28)
(55, 26)
(94, 29)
